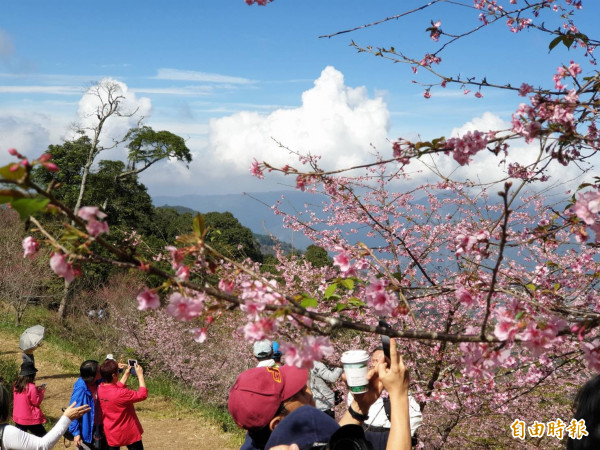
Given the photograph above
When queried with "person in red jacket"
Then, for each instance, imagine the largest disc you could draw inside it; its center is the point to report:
(27, 398)
(121, 424)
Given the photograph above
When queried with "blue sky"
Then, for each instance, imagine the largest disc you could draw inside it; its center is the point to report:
(229, 77)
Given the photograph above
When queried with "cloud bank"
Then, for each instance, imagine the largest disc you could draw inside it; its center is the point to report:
(335, 121)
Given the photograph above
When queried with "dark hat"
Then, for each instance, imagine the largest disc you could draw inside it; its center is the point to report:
(305, 427)
(27, 368)
(349, 437)
(257, 393)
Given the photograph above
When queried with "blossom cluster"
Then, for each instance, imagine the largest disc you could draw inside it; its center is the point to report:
(469, 144)
(587, 208)
(44, 160)
(344, 260)
(95, 220)
(471, 244)
(311, 348)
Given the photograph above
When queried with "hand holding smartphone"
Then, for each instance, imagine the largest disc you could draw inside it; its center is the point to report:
(385, 340)
(132, 363)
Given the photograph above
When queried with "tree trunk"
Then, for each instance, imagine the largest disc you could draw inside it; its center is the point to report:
(84, 176)
(64, 300)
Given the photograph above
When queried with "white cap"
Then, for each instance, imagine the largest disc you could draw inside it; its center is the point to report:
(263, 348)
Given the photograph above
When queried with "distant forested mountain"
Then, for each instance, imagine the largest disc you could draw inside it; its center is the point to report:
(253, 210)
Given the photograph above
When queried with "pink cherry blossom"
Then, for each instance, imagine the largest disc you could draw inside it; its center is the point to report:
(306, 352)
(464, 147)
(427, 94)
(90, 212)
(260, 292)
(252, 309)
(199, 334)
(540, 336)
(464, 296)
(148, 299)
(184, 308)
(95, 227)
(177, 256)
(379, 298)
(258, 2)
(259, 329)
(183, 272)
(318, 347)
(587, 206)
(301, 182)
(30, 246)
(226, 285)
(61, 267)
(435, 31)
(525, 89)
(343, 260)
(50, 166)
(506, 330)
(255, 170)
(574, 69)
(591, 352)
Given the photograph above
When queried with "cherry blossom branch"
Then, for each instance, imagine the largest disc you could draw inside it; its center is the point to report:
(382, 20)
(503, 235)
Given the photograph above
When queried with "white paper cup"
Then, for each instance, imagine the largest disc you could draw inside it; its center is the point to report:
(356, 367)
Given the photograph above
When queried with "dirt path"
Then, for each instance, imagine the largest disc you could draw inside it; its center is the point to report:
(165, 425)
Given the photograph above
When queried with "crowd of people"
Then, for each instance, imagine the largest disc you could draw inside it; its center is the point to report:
(280, 406)
(101, 415)
(283, 407)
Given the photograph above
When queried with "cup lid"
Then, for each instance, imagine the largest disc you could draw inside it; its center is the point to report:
(354, 356)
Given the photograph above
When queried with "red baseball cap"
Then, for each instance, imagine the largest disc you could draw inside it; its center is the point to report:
(257, 393)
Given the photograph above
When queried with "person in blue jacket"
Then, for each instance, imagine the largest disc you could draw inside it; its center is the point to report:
(87, 432)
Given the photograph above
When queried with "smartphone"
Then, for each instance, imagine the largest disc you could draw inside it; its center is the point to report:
(132, 362)
(385, 340)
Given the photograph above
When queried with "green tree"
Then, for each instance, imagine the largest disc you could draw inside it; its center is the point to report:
(317, 256)
(228, 236)
(168, 223)
(70, 157)
(147, 147)
(125, 200)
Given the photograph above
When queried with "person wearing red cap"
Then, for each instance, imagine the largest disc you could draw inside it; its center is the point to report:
(254, 399)
(261, 397)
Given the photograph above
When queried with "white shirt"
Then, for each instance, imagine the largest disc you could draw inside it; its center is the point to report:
(266, 363)
(378, 417)
(15, 439)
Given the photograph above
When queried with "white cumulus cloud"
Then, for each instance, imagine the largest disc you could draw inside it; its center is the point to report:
(335, 121)
(486, 167)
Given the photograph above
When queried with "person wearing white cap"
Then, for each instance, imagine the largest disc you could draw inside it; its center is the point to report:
(263, 352)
